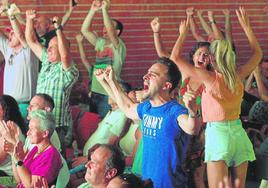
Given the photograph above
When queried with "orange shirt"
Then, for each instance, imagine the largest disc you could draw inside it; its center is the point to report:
(219, 103)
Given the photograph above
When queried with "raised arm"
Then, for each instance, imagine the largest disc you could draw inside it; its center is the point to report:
(249, 81)
(67, 15)
(216, 31)
(86, 30)
(186, 68)
(63, 45)
(155, 25)
(228, 25)
(263, 93)
(108, 24)
(30, 36)
(121, 98)
(256, 56)
(195, 33)
(204, 24)
(100, 75)
(17, 30)
(85, 61)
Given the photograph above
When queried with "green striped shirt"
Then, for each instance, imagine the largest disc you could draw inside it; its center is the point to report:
(57, 82)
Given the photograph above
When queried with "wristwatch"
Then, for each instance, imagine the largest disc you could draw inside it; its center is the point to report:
(19, 163)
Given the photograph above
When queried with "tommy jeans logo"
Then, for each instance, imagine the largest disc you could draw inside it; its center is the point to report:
(151, 125)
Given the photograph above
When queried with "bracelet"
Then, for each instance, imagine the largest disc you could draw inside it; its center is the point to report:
(59, 28)
(19, 163)
(196, 115)
(12, 17)
(155, 32)
(212, 22)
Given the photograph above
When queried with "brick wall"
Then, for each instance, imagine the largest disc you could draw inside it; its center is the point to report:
(136, 16)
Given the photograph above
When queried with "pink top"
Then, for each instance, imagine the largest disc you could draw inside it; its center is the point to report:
(47, 164)
(219, 103)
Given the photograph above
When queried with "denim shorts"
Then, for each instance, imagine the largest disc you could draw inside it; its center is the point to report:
(227, 141)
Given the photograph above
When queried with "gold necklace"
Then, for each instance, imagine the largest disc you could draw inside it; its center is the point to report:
(42, 148)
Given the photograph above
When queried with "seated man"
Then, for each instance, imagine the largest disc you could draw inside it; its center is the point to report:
(42, 102)
(106, 162)
(108, 132)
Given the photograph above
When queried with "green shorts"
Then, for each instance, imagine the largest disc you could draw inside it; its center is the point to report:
(227, 141)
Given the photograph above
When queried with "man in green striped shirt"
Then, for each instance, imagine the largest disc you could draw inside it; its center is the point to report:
(57, 76)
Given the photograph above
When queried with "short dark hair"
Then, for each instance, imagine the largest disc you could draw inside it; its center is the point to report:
(118, 26)
(116, 160)
(174, 75)
(48, 99)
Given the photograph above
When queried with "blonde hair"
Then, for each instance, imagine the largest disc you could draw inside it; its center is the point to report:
(226, 61)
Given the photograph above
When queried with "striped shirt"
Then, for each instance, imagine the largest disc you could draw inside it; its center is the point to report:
(57, 82)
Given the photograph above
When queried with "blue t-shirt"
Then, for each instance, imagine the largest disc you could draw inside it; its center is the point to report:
(164, 144)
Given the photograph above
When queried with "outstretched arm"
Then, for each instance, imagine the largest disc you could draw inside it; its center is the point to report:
(121, 98)
(186, 68)
(85, 61)
(108, 24)
(195, 33)
(63, 46)
(204, 24)
(68, 13)
(228, 25)
(86, 30)
(10, 12)
(216, 32)
(155, 25)
(30, 36)
(256, 56)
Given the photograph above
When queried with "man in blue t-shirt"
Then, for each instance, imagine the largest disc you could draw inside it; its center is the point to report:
(166, 125)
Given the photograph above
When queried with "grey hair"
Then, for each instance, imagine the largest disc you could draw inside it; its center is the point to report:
(46, 120)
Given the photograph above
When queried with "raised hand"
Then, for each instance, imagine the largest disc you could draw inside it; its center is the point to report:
(189, 99)
(199, 13)
(10, 131)
(56, 21)
(105, 4)
(72, 4)
(242, 17)
(184, 26)
(190, 11)
(30, 14)
(155, 25)
(96, 5)
(18, 152)
(79, 38)
(226, 12)
(100, 74)
(109, 74)
(210, 16)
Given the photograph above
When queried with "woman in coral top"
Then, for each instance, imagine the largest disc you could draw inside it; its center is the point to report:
(226, 142)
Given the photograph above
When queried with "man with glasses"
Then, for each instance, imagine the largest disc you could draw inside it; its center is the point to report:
(21, 68)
